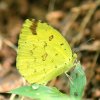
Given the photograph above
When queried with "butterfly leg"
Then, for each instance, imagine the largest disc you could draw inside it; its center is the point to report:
(70, 79)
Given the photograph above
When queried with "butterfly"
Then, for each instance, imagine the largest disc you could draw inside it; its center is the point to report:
(43, 53)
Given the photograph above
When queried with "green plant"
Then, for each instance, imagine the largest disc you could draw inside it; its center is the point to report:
(41, 92)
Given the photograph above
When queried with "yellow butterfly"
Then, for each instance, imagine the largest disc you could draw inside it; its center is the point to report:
(43, 53)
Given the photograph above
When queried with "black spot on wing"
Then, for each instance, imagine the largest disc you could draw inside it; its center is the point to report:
(31, 52)
(34, 46)
(44, 57)
(34, 26)
(56, 54)
(62, 44)
(56, 67)
(51, 37)
(44, 70)
(45, 44)
(35, 70)
(52, 60)
(34, 59)
(65, 63)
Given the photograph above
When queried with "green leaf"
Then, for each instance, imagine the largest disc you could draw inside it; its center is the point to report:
(79, 81)
(41, 92)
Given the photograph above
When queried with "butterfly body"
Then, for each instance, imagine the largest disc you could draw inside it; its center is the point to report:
(43, 53)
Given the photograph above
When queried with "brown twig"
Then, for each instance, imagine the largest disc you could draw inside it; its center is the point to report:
(51, 5)
(75, 12)
(85, 22)
(69, 24)
(7, 42)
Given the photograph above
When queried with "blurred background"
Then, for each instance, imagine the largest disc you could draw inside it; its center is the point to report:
(77, 20)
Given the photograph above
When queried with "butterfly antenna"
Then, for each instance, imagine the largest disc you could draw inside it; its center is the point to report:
(89, 40)
(77, 49)
(70, 79)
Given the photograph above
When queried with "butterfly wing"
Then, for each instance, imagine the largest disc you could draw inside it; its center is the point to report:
(43, 53)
